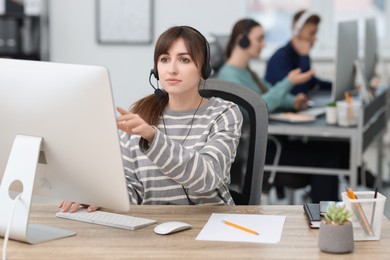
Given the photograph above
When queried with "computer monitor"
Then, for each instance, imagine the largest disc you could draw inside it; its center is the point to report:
(59, 121)
(370, 49)
(346, 56)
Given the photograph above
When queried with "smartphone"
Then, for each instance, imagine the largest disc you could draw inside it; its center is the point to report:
(324, 205)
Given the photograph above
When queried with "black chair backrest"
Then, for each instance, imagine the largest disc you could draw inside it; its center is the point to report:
(250, 157)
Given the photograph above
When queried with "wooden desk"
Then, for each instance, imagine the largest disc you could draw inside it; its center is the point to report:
(98, 242)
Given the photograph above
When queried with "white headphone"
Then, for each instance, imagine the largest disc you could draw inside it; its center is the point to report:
(301, 21)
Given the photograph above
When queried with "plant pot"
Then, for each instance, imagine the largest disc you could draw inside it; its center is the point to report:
(334, 238)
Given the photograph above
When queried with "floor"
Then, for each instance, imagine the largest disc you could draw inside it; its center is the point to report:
(370, 158)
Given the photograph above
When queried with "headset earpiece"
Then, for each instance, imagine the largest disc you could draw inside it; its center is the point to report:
(207, 71)
(206, 68)
(154, 72)
(244, 42)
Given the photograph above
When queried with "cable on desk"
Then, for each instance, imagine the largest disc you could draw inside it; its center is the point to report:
(11, 218)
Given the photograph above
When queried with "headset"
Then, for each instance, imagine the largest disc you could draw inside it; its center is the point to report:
(158, 92)
(206, 68)
(301, 21)
(244, 42)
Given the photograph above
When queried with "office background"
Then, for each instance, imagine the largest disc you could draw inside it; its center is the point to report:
(72, 37)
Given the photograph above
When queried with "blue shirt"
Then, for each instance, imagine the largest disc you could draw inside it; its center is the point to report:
(286, 59)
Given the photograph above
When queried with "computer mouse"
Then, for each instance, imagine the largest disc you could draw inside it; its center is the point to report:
(171, 227)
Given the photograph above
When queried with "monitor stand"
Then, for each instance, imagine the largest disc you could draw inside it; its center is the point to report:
(21, 168)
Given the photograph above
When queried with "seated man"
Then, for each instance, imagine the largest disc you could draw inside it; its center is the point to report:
(295, 54)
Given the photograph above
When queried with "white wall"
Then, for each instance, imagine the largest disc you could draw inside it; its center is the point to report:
(73, 38)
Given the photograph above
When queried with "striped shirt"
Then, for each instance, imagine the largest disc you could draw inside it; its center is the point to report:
(163, 171)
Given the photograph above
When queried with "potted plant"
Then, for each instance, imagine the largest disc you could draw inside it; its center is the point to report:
(331, 113)
(336, 232)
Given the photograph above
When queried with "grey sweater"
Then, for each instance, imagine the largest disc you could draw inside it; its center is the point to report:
(162, 171)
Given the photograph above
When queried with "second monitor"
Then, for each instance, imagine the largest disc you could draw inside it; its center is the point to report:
(347, 53)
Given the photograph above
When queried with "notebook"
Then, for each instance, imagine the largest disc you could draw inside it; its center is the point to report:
(312, 212)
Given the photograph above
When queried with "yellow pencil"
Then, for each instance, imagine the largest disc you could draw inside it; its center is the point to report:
(240, 227)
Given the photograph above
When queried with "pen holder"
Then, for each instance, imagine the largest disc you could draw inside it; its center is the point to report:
(367, 214)
(348, 114)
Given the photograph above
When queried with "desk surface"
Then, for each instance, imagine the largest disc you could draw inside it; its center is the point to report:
(99, 242)
(371, 127)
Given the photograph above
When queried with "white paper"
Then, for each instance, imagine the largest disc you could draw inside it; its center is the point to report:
(269, 227)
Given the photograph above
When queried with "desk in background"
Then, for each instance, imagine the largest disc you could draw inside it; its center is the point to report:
(371, 127)
(99, 242)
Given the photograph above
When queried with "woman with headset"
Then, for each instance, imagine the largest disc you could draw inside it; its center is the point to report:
(245, 43)
(177, 146)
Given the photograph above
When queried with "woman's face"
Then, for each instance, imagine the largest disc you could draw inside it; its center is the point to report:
(257, 43)
(177, 71)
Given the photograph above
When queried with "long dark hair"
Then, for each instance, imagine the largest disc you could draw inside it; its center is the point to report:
(150, 108)
(242, 27)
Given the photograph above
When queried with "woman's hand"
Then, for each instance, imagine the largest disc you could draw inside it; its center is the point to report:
(300, 102)
(70, 206)
(134, 124)
(296, 76)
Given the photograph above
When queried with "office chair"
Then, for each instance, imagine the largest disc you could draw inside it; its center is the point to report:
(282, 180)
(217, 51)
(247, 170)
(284, 183)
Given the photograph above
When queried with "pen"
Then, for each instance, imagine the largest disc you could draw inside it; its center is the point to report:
(240, 227)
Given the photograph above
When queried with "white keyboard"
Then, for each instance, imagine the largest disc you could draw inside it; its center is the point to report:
(107, 219)
(313, 111)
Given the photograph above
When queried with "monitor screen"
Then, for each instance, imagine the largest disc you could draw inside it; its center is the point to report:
(71, 108)
(370, 49)
(346, 56)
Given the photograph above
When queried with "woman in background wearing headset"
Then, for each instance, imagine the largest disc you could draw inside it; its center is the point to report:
(295, 54)
(245, 43)
(177, 146)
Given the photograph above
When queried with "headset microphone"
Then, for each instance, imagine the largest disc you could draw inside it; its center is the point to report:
(161, 94)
